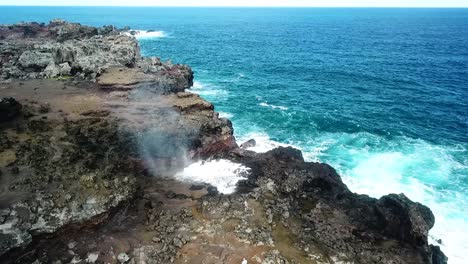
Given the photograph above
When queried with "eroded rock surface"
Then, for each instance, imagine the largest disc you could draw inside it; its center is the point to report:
(70, 50)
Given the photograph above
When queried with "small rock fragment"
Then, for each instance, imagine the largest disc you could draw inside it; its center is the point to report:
(92, 257)
(123, 257)
(248, 144)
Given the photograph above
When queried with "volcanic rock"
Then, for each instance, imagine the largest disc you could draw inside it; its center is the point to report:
(248, 144)
(9, 108)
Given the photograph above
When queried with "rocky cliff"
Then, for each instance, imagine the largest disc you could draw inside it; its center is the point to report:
(91, 135)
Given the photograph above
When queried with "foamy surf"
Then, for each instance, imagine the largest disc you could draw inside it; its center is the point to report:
(404, 165)
(145, 34)
(197, 85)
(225, 115)
(223, 174)
(280, 107)
(263, 142)
(206, 89)
(449, 222)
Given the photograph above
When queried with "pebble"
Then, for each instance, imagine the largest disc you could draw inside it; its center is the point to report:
(92, 257)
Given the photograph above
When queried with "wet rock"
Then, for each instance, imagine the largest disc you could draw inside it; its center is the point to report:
(405, 219)
(195, 187)
(212, 191)
(248, 144)
(438, 257)
(9, 108)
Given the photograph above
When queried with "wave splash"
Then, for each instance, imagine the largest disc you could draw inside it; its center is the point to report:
(145, 34)
(225, 115)
(207, 90)
(223, 174)
(263, 142)
(369, 164)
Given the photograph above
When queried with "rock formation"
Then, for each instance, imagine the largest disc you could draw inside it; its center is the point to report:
(91, 134)
(62, 49)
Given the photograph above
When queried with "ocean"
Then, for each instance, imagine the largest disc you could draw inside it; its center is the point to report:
(379, 94)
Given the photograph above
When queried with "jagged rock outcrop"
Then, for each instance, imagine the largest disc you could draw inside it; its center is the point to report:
(317, 207)
(62, 49)
(57, 172)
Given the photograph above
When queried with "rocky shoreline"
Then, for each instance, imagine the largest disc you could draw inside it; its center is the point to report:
(91, 134)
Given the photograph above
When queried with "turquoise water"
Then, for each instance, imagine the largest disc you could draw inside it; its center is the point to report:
(380, 94)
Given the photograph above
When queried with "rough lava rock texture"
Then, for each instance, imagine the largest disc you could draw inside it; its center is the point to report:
(319, 209)
(87, 159)
(62, 49)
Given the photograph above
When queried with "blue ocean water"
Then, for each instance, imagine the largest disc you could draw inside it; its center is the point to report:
(380, 94)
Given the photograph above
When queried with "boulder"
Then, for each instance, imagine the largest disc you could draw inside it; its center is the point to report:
(36, 60)
(404, 219)
(51, 70)
(438, 257)
(64, 69)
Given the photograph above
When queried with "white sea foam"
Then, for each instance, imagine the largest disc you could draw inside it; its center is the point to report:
(197, 85)
(225, 115)
(273, 106)
(207, 89)
(223, 174)
(263, 142)
(145, 34)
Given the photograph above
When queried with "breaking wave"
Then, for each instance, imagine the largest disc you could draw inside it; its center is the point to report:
(145, 34)
(369, 164)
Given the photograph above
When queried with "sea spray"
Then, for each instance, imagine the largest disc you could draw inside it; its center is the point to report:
(263, 142)
(145, 34)
(370, 164)
(222, 174)
(162, 138)
(165, 145)
(207, 90)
